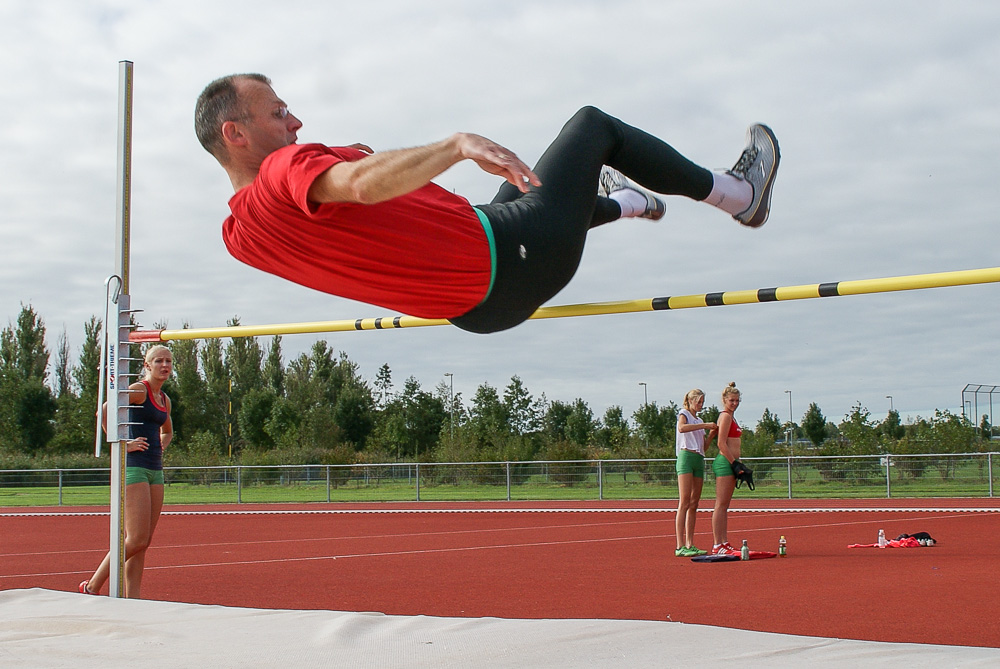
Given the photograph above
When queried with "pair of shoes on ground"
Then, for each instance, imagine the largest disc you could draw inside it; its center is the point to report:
(84, 590)
(724, 549)
(757, 165)
(689, 551)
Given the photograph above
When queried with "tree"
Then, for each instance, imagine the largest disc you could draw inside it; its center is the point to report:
(274, 368)
(253, 415)
(555, 420)
(87, 373)
(488, 421)
(354, 413)
(814, 425)
(519, 407)
(891, 427)
(28, 410)
(217, 407)
(859, 431)
(64, 376)
(383, 386)
(423, 415)
(614, 433)
(656, 426)
(190, 412)
(770, 426)
(580, 424)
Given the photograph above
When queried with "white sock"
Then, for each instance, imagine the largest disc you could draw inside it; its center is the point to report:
(730, 194)
(633, 203)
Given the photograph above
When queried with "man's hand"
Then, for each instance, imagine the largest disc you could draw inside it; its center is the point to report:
(495, 159)
(388, 174)
(364, 148)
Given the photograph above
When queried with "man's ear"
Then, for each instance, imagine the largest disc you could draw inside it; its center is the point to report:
(233, 134)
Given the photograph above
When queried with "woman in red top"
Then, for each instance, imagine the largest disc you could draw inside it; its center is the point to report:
(725, 481)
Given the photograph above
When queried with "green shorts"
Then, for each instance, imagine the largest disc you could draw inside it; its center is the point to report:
(690, 462)
(143, 475)
(721, 466)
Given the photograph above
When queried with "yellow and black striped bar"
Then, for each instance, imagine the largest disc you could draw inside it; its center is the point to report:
(780, 294)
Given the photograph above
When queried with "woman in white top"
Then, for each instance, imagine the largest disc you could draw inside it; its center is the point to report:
(690, 470)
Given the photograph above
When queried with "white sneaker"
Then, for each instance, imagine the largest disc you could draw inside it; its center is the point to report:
(757, 166)
(612, 181)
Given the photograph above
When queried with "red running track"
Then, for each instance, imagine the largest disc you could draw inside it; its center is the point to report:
(609, 560)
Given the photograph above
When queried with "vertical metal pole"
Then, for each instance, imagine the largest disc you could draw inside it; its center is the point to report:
(417, 477)
(600, 480)
(124, 199)
(989, 471)
(789, 477)
(888, 484)
(507, 464)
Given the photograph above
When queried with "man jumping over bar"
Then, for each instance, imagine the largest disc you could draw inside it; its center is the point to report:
(373, 227)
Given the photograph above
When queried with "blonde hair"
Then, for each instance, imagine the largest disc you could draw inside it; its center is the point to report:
(691, 394)
(731, 389)
(151, 353)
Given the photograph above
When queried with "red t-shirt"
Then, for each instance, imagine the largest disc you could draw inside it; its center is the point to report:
(424, 253)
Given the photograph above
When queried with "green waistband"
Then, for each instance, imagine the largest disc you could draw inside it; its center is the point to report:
(488, 229)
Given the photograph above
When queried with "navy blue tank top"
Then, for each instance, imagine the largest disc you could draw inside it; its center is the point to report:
(150, 417)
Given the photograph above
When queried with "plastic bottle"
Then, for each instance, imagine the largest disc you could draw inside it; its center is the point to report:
(745, 551)
(881, 538)
(782, 546)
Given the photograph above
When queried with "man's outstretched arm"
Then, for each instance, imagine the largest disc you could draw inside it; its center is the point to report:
(386, 175)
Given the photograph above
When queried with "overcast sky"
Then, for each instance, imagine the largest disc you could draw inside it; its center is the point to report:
(888, 117)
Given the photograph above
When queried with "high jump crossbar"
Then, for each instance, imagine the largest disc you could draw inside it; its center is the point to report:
(780, 294)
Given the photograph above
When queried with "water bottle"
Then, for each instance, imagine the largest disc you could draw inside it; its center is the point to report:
(782, 546)
(881, 538)
(745, 551)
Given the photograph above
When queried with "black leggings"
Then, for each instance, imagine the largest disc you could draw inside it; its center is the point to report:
(540, 235)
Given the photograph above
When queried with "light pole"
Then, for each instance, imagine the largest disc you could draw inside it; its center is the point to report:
(791, 423)
(889, 397)
(451, 405)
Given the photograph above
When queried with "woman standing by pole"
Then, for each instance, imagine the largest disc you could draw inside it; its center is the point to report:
(725, 480)
(690, 470)
(151, 434)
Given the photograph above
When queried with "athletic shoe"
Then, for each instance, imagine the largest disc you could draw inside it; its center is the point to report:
(613, 181)
(724, 549)
(757, 166)
(681, 552)
(84, 590)
(696, 551)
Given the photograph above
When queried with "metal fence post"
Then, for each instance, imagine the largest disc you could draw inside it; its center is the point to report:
(789, 471)
(888, 477)
(508, 480)
(417, 478)
(328, 484)
(239, 484)
(989, 471)
(600, 480)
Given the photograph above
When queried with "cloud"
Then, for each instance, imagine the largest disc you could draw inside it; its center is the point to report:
(888, 127)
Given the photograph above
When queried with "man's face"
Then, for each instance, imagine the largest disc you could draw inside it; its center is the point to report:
(269, 125)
